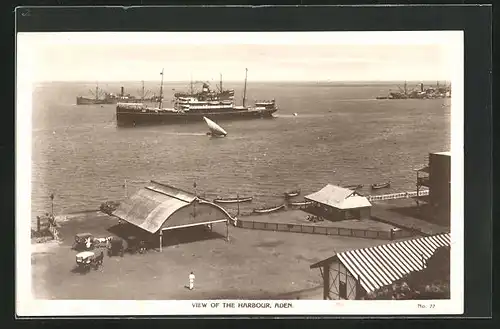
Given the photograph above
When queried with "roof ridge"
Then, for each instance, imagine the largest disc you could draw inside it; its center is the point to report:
(394, 243)
(171, 186)
(363, 263)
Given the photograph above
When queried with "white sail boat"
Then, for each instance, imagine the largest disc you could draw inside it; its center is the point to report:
(215, 129)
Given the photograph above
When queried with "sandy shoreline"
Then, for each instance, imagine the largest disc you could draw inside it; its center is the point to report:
(44, 247)
(249, 266)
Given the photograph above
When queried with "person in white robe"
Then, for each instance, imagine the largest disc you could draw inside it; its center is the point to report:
(191, 281)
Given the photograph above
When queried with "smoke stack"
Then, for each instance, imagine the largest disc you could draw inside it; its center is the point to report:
(421, 87)
(122, 92)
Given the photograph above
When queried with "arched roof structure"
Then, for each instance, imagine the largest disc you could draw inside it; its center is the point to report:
(152, 206)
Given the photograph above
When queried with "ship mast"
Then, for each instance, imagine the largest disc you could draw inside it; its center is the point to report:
(97, 91)
(245, 88)
(143, 95)
(161, 89)
(221, 82)
(191, 85)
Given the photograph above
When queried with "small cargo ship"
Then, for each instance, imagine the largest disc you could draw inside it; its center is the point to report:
(193, 106)
(420, 93)
(102, 97)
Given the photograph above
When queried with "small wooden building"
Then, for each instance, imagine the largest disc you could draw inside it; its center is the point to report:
(337, 203)
(353, 274)
(159, 207)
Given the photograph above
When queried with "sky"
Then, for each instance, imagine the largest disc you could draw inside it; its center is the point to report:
(285, 56)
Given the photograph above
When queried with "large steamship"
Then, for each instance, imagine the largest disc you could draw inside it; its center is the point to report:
(193, 106)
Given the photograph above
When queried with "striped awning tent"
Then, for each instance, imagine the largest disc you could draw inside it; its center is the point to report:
(382, 265)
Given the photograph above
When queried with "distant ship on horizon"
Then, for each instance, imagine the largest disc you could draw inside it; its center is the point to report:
(193, 106)
(101, 97)
(439, 91)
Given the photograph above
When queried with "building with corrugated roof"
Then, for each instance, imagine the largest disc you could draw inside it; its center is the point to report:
(338, 203)
(355, 273)
(158, 207)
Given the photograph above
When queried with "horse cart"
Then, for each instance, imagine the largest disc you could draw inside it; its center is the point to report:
(116, 246)
(88, 259)
(83, 241)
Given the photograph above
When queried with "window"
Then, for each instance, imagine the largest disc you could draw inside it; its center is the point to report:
(342, 290)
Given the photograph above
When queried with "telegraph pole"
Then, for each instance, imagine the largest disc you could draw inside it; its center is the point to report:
(52, 202)
(195, 200)
(238, 199)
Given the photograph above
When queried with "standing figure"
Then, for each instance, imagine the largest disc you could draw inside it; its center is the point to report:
(191, 281)
(88, 243)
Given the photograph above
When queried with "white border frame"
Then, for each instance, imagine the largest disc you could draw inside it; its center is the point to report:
(27, 306)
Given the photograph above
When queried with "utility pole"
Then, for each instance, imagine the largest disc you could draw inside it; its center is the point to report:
(195, 200)
(52, 201)
(238, 199)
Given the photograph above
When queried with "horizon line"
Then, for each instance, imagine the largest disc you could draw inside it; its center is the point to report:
(258, 81)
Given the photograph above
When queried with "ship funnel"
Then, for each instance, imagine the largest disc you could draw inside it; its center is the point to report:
(421, 87)
(122, 92)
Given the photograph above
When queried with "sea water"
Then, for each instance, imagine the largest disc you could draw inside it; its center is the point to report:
(340, 135)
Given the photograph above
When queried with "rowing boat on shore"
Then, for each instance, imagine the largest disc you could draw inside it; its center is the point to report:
(354, 186)
(268, 210)
(301, 204)
(233, 200)
(292, 194)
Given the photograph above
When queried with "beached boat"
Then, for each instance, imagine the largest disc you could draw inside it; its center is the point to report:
(215, 129)
(233, 200)
(381, 185)
(354, 186)
(292, 194)
(268, 210)
(300, 204)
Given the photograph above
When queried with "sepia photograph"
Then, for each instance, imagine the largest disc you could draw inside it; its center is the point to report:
(239, 173)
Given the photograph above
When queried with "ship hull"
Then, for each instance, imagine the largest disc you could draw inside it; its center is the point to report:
(125, 117)
(93, 101)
